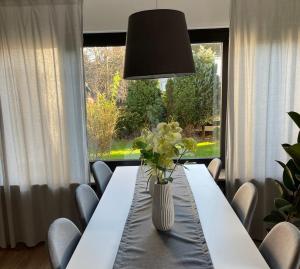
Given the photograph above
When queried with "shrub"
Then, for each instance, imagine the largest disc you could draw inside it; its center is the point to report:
(102, 117)
(144, 107)
(129, 124)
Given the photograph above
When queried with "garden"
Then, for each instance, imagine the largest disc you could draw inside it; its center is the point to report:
(118, 110)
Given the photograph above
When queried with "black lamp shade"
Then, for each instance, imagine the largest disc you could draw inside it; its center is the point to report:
(157, 45)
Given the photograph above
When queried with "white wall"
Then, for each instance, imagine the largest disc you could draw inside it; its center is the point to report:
(112, 15)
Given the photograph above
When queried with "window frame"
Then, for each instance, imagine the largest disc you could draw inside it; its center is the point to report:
(216, 35)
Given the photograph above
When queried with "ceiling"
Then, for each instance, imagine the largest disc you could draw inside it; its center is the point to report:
(112, 15)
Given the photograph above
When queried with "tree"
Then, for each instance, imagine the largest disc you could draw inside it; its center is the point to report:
(194, 100)
(102, 118)
(101, 64)
(144, 107)
(169, 98)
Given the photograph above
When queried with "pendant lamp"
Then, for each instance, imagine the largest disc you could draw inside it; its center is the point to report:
(157, 45)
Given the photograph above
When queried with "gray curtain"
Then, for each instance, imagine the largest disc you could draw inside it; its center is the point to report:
(43, 137)
(264, 84)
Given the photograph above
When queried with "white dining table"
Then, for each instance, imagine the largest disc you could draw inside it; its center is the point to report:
(229, 244)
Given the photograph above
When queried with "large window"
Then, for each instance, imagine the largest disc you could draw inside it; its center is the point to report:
(117, 110)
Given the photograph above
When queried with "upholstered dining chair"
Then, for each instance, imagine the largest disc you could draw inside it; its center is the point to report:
(214, 168)
(63, 237)
(87, 201)
(281, 247)
(244, 203)
(102, 174)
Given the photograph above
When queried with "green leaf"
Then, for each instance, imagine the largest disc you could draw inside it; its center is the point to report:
(294, 152)
(282, 188)
(295, 117)
(140, 144)
(163, 169)
(274, 217)
(147, 154)
(288, 209)
(176, 151)
(282, 164)
(280, 202)
(285, 145)
(294, 170)
(156, 157)
(288, 180)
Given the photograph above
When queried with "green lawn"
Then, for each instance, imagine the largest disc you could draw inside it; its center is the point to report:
(121, 150)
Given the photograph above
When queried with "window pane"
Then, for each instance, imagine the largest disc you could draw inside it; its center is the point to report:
(117, 110)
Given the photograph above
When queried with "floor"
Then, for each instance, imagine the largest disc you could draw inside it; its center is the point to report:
(25, 258)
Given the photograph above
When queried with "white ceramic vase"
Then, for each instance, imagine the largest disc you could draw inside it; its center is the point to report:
(162, 207)
(151, 184)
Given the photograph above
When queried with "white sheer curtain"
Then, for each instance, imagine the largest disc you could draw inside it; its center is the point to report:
(43, 137)
(264, 84)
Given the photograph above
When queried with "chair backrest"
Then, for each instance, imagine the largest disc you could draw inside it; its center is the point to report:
(102, 174)
(214, 168)
(63, 237)
(281, 247)
(244, 203)
(87, 201)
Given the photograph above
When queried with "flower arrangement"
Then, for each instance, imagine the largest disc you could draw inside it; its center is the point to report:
(160, 147)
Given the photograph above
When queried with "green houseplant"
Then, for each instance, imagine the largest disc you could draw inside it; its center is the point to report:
(287, 206)
(158, 150)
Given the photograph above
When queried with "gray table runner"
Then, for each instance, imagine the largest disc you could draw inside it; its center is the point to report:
(142, 246)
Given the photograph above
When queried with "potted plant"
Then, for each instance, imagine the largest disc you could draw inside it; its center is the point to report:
(287, 206)
(158, 150)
